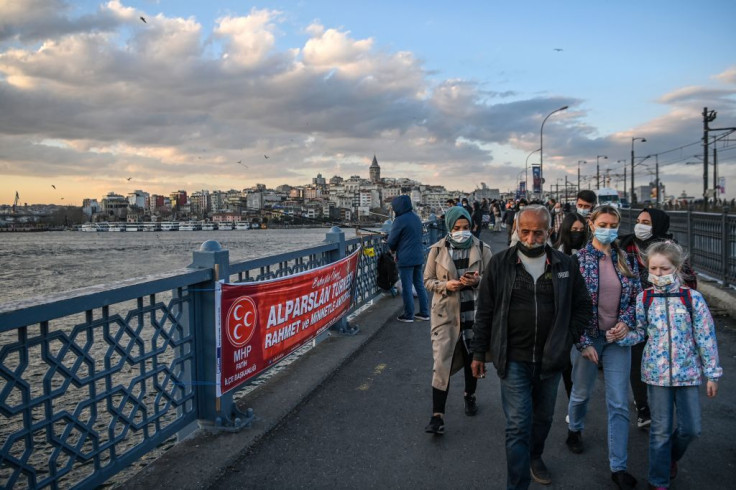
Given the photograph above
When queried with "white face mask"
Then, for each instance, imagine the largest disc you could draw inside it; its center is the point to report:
(582, 211)
(461, 236)
(642, 232)
(662, 281)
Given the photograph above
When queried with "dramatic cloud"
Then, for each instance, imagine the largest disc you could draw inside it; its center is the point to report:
(101, 97)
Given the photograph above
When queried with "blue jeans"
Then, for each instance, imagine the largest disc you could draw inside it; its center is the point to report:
(616, 367)
(413, 275)
(665, 445)
(529, 404)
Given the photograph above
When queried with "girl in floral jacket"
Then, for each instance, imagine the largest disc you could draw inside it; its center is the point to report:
(613, 284)
(680, 349)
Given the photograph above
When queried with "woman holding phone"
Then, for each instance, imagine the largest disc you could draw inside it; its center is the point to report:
(455, 265)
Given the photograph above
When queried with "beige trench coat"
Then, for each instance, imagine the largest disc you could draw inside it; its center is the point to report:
(445, 317)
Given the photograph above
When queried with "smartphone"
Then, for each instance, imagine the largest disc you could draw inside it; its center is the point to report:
(470, 274)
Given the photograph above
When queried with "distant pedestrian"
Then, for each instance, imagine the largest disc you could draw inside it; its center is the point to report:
(680, 350)
(455, 266)
(585, 202)
(613, 284)
(532, 305)
(476, 220)
(405, 239)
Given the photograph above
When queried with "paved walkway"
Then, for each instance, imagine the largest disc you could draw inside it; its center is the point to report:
(363, 427)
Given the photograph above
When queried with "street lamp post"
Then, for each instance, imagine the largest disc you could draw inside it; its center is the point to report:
(526, 174)
(643, 140)
(598, 170)
(579, 162)
(541, 150)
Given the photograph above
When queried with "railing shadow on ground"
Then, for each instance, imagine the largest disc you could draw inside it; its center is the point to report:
(95, 379)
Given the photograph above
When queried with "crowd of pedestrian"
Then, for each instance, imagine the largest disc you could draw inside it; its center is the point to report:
(567, 299)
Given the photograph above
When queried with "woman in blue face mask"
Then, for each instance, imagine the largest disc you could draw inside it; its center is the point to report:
(613, 284)
(455, 265)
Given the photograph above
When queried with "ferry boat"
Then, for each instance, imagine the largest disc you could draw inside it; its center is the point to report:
(209, 226)
(90, 227)
(116, 227)
(242, 225)
(169, 226)
(151, 226)
(188, 226)
(132, 227)
(225, 225)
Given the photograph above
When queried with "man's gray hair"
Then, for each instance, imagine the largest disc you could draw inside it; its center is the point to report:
(537, 209)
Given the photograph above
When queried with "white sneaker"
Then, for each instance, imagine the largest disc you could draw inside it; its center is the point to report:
(567, 418)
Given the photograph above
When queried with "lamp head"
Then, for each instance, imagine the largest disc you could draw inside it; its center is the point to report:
(643, 140)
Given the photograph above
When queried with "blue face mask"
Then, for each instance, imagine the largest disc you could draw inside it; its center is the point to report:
(606, 235)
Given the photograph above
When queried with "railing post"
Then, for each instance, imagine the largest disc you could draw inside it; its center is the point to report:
(211, 411)
(725, 244)
(434, 231)
(690, 233)
(337, 236)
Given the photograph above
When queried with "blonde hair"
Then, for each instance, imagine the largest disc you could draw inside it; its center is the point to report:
(669, 250)
(622, 264)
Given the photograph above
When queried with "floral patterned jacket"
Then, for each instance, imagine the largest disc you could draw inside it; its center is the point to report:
(588, 258)
(681, 349)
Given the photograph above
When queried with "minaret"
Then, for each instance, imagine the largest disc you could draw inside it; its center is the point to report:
(375, 171)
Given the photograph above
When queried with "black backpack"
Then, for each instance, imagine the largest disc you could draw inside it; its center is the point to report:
(388, 273)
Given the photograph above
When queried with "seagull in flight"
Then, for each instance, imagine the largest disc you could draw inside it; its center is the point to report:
(558, 49)
(129, 178)
(241, 163)
(143, 19)
(52, 185)
(266, 157)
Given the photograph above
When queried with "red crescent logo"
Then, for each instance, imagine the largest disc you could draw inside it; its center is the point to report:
(242, 319)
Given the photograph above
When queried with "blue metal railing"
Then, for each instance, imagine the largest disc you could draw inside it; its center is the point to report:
(709, 239)
(94, 379)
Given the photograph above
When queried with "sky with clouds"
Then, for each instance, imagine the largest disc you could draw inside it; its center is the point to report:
(93, 99)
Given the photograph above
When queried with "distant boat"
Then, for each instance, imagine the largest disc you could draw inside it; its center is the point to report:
(226, 225)
(242, 225)
(132, 227)
(90, 227)
(209, 226)
(116, 227)
(169, 226)
(151, 226)
(188, 226)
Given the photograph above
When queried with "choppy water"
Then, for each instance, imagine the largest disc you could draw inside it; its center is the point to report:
(33, 264)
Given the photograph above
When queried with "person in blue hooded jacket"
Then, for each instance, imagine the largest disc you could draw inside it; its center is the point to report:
(405, 239)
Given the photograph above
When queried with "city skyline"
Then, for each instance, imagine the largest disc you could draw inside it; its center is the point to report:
(221, 95)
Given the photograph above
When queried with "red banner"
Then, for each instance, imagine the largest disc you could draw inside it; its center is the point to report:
(260, 323)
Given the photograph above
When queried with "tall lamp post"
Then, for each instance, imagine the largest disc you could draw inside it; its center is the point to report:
(541, 150)
(598, 170)
(643, 140)
(624, 162)
(579, 162)
(526, 174)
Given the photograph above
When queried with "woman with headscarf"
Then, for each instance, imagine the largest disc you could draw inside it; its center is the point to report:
(455, 265)
(652, 226)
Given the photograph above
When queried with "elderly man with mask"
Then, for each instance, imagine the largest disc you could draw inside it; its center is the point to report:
(532, 306)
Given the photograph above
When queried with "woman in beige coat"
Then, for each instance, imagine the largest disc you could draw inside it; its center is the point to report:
(453, 271)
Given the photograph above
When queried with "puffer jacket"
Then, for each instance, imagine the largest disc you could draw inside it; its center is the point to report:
(588, 258)
(405, 237)
(681, 349)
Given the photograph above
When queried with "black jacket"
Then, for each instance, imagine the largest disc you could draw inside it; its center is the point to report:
(573, 310)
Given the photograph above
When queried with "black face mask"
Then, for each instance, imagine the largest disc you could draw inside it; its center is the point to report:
(576, 239)
(530, 252)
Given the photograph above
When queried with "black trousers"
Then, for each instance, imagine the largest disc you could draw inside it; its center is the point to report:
(439, 397)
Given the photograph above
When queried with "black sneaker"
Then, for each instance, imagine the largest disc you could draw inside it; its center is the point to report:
(623, 480)
(471, 406)
(436, 425)
(421, 317)
(405, 319)
(643, 418)
(574, 441)
(539, 471)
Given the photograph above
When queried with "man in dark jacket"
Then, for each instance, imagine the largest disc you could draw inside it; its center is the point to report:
(532, 306)
(405, 239)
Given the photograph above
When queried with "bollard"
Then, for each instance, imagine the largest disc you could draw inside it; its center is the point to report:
(212, 412)
(336, 235)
